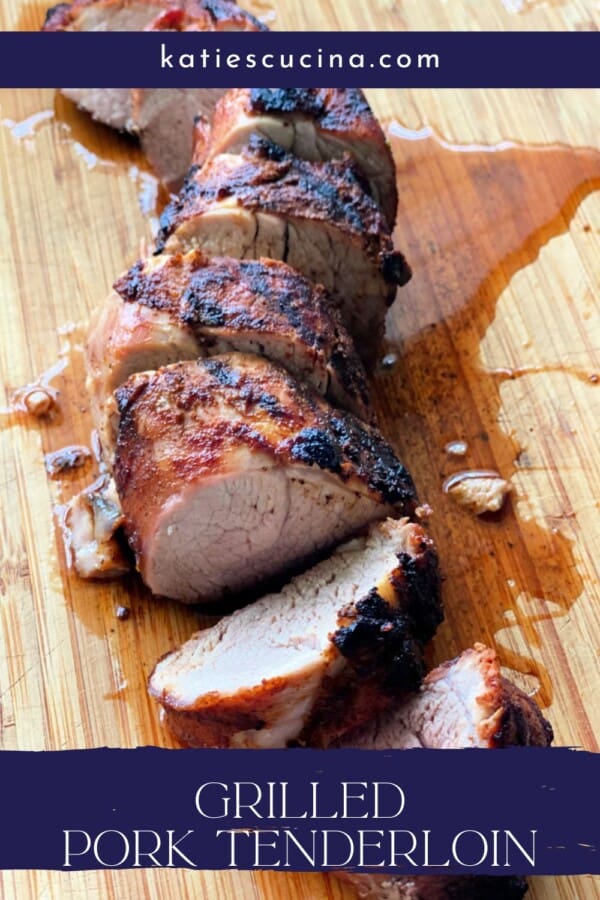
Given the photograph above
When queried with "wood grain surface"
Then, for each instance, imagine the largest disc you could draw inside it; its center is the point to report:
(495, 341)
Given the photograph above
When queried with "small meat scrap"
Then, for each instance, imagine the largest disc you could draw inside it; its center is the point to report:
(479, 491)
(39, 402)
(72, 457)
(92, 519)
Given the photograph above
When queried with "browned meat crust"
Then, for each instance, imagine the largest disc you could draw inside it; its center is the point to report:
(268, 411)
(291, 653)
(314, 124)
(170, 308)
(221, 299)
(316, 216)
(264, 177)
(199, 423)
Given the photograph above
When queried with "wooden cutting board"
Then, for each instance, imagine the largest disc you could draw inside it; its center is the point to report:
(495, 342)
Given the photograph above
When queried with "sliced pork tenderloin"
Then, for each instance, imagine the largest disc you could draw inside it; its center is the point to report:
(163, 118)
(335, 645)
(171, 308)
(315, 216)
(463, 703)
(230, 473)
(316, 124)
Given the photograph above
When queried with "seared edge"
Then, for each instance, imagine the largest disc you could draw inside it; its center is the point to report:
(220, 299)
(383, 662)
(342, 118)
(210, 408)
(265, 178)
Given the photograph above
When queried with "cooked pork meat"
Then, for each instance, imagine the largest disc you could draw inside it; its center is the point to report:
(463, 703)
(315, 216)
(335, 645)
(230, 473)
(163, 118)
(171, 308)
(90, 524)
(315, 124)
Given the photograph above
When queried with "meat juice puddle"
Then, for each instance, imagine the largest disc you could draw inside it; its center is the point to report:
(471, 216)
(100, 149)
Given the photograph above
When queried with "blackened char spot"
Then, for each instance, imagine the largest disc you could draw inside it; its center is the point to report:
(131, 285)
(198, 304)
(221, 372)
(308, 102)
(395, 269)
(288, 292)
(316, 448)
(421, 579)
(266, 149)
(375, 460)
(381, 640)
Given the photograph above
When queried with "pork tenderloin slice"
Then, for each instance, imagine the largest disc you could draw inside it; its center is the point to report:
(163, 118)
(315, 216)
(463, 703)
(111, 106)
(231, 473)
(315, 124)
(171, 308)
(272, 672)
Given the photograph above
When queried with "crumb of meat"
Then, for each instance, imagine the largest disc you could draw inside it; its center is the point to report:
(482, 494)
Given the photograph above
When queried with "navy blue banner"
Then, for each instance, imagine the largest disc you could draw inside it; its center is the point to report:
(303, 59)
(516, 812)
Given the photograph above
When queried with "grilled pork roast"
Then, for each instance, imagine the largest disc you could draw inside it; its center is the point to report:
(163, 118)
(462, 703)
(230, 472)
(338, 643)
(315, 216)
(170, 308)
(316, 124)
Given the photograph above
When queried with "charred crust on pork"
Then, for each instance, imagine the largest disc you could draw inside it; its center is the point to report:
(379, 639)
(395, 269)
(348, 105)
(374, 458)
(418, 577)
(269, 179)
(522, 722)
